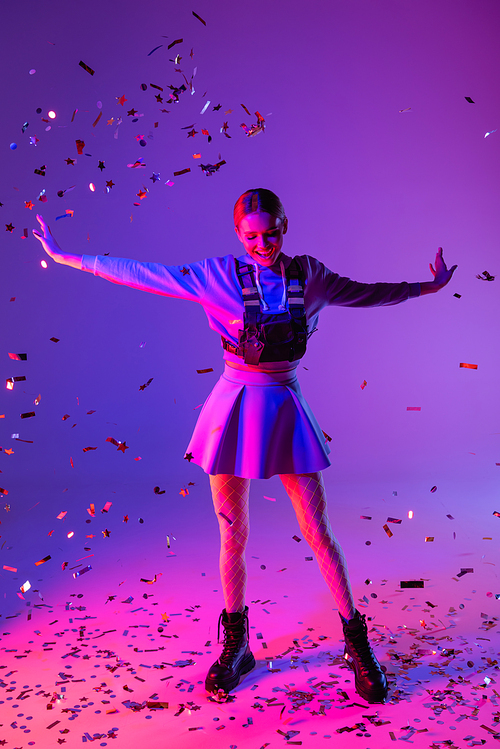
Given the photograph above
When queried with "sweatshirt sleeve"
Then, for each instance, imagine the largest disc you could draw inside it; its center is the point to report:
(338, 290)
(182, 282)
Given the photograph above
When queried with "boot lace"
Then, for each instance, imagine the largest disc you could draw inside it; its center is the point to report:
(233, 635)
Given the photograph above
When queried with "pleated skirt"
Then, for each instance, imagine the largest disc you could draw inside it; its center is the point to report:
(256, 425)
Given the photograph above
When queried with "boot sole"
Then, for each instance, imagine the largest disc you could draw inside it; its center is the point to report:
(211, 685)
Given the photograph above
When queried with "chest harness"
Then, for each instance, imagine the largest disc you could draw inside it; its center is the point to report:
(271, 337)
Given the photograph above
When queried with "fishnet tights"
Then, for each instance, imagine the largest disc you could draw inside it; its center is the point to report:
(307, 493)
(230, 498)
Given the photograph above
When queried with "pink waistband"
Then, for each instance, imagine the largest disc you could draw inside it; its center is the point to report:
(243, 376)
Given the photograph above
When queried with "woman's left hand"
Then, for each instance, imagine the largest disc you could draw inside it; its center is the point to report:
(441, 273)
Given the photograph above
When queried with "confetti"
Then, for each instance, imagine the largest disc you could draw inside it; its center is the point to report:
(490, 132)
(176, 41)
(42, 561)
(485, 276)
(86, 67)
(183, 171)
(28, 415)
(150, 53)
(146, 384)
(429, 538)
(413, 408)
(80, 145)
(18, 357)
(387, 530)
(82, 572)
(412, 583)
(199, 18)
(204, 371)
(407, 109)
(228, 520)
(468, 98)
(363, 384)
(464, 365)
(434, 489)
(26, 586)
(157, 490)
(209, 169)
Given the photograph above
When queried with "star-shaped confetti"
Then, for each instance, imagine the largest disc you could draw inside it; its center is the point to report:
(69, 161)
(106, 533)
(34, 140)
(132, 112)
(28, 204)
(101, 165)
(188, 457)
(141, 194)
(110, 184)
(9, 227)
(121, 100)
(125, 518)
(185, 271)
(110, 122)
(192, 133)
(216, 109)
(159, 98)
(155, 177)
(123, 446)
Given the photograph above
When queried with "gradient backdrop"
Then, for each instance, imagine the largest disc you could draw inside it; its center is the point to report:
(379, 159)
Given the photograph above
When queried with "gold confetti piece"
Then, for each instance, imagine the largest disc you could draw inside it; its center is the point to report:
(326, 436)
(42, 561)
(485, 276)
(464, 365)
(18, 357)
(91, 510)
(26, 586)
(37, 400)
(363, 385)
(429, 538)
(458, 296)
(204, 371)
(496, 514)
(246, 110)
(407, 109)
(86, 449)
(86, 67)
(394, 520)
(271, 499)
(296, 538)
(176, 41)
(183, 171)
(468, 98)
(97, 119)
(228, 520)
(410, 514)
(80, 145)
(197, 156)
(199, 18)
(28, 415)
(413, 408)
(387, 530)
(10, 569)
(54, 340)
(434, 489)
(62, 515)
(107, 507)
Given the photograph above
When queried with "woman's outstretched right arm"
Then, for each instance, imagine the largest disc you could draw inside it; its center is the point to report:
(52, 249)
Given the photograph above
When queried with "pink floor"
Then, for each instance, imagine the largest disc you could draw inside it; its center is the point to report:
(111, 658)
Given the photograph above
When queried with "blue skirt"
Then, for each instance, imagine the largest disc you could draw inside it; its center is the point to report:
(257, 424)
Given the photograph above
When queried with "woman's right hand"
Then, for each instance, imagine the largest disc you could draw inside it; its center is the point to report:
(46, 239)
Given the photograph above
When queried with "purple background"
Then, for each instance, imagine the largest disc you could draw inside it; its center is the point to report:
(370, 191)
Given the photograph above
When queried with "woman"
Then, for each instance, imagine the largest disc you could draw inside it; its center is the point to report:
(255, 423)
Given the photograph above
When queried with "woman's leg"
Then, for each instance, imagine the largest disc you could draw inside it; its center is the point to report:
(307, 492)
(230, 498)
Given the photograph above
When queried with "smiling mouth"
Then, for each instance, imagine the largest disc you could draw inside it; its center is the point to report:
(266, 253)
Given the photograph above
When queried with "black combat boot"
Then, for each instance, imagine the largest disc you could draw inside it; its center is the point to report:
(236, 658)
(369, 679)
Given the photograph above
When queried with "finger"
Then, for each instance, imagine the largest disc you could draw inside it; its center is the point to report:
(432, 269)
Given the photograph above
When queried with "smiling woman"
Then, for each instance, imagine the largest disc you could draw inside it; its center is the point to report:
(256, 423)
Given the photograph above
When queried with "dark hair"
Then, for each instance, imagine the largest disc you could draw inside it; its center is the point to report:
(255, 200)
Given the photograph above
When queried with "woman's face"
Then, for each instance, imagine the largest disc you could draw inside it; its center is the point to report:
(262, 236)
